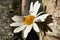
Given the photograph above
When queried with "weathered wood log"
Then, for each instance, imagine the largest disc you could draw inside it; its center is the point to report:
(52, 8)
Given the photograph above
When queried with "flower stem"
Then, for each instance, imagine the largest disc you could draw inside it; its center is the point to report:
(41, 35)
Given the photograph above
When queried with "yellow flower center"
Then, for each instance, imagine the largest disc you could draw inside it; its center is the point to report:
(29, 20)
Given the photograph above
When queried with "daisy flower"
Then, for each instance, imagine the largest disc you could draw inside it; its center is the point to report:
(26, 23)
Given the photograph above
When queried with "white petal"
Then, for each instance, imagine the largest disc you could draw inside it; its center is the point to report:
(36, 7)
(42, 17)
(16, 24)
(35, 27)
(18, 29)
(31, 7)
(17, 18)
(37, 20)
(27, 30)
(39, 14)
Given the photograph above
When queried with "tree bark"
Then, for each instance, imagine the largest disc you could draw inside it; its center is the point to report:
(53, 8)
